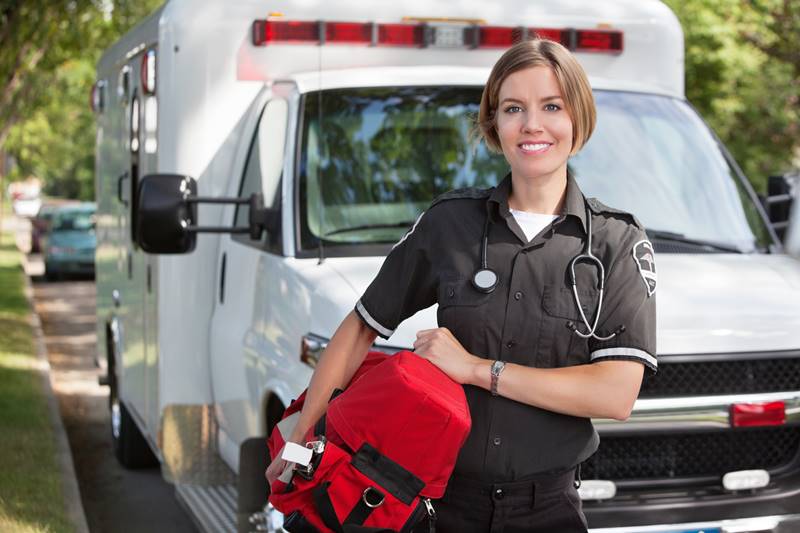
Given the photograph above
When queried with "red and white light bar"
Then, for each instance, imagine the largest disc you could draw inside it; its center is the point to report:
(423, 35)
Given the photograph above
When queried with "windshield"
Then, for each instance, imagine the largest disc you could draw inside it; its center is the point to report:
(73, 221)
(373, 159)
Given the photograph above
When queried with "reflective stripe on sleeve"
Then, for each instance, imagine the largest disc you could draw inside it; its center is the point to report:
(626, 352)
(374, 324)
(409, 232)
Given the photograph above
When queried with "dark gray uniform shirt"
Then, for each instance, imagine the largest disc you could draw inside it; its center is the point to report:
(524, 320)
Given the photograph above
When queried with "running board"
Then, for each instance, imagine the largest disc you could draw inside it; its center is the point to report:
(213, 508)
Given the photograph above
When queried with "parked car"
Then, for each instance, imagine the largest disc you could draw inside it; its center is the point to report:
(40, 224)
(70, 244)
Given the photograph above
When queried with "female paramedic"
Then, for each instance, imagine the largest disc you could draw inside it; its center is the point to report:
(546, 306)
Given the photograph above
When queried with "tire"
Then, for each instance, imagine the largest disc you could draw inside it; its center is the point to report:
(50, 274)
(130, 447)
(253, 490)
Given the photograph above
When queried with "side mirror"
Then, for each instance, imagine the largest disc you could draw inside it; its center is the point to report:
(166, 220)
(792, 240)
(778, 203)
(164, 215)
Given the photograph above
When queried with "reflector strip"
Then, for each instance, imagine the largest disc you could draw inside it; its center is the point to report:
(758, 414)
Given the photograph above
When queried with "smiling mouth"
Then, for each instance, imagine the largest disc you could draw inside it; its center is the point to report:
(534, 148)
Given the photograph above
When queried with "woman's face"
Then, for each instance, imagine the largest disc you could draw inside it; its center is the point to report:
(533, 125)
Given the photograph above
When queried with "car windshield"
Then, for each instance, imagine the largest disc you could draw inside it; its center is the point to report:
(73, 221)
(373, 159)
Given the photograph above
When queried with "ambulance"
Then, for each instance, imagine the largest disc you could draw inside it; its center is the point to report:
(256, 161)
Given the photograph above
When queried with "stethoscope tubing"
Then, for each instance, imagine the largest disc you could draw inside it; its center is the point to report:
(586, 256)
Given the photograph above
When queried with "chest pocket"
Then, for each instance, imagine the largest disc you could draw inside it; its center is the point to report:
(559, 345)
(462, 309)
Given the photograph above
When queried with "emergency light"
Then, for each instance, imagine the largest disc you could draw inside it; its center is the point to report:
(428, 35)
(148, 72)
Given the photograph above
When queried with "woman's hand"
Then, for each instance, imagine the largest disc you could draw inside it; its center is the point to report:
(275, 468)
(441, 348)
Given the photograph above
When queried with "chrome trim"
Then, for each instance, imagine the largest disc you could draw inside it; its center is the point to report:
(725, 357)
(738, 525)
(695, 412)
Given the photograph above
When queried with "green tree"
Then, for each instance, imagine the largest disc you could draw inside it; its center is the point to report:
(742, 72)
(48, 52)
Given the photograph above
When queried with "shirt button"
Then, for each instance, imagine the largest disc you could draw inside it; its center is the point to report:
(451, 292)
(497, 441)
(510, 344)
(518, 295)
(499, 494)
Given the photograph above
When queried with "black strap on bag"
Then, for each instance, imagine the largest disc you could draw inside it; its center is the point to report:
(354, 523)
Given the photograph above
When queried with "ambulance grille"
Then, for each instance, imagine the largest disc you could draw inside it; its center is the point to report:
(735, 376)
(695, 455)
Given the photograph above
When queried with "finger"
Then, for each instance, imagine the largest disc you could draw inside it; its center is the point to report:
(425, 332)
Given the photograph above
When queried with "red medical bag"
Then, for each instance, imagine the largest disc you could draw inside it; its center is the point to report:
(387, 444)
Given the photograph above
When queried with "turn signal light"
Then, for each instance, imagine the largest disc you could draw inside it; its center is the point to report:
(758, 414)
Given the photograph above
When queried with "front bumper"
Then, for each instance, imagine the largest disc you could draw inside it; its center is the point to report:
(67, 265)
(776, 524)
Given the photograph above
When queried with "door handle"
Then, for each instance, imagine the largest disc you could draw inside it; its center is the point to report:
(222, 278)
(120, 179)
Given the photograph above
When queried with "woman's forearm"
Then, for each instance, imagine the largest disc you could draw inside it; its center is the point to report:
(339, 361)
(606, 389)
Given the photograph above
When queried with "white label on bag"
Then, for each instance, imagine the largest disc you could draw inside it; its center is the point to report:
(295, 453)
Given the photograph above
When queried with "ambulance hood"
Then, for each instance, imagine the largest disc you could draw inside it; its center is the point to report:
(714, 303)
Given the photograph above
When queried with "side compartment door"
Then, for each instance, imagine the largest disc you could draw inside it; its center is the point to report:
(236, 335)
(132, 267)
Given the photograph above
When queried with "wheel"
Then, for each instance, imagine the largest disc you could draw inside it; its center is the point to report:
(49, 273)
(253, 490)
(130, 447)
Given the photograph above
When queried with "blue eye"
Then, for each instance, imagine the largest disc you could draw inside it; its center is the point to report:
(513, 109)
(556, 107)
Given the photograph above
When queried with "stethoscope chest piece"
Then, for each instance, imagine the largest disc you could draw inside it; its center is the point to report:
(484, 280)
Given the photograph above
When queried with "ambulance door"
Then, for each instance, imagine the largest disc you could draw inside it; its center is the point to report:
(238, 335)
(131, 277)
(148, 164)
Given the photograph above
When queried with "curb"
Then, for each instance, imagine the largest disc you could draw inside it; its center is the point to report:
(69, 481)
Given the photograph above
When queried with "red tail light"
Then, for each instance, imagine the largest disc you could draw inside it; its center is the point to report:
(758, 414)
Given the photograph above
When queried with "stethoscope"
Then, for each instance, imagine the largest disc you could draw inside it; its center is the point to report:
(485, 280)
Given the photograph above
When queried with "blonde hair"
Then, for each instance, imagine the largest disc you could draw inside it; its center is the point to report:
(572, 80)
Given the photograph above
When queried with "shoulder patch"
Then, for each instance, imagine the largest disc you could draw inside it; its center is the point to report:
(599, 207)
(472, 193)
(645, 259)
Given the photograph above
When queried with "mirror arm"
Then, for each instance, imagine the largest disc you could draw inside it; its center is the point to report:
(260, 218)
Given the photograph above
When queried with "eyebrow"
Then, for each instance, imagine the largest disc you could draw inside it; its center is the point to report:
(545, 99)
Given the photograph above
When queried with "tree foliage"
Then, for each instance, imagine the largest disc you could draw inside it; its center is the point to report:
(743, 76)
(48, 52)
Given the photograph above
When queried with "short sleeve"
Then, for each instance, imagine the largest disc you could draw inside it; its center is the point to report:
(405, 283)
(629, 302)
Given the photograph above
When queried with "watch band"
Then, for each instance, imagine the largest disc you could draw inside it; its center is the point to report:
(496, 369)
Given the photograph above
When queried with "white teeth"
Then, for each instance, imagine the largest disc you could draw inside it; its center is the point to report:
(534, 147)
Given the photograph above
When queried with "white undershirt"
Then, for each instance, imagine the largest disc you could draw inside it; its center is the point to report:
(532, 223)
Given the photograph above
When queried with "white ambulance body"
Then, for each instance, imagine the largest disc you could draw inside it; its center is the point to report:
(204, 349)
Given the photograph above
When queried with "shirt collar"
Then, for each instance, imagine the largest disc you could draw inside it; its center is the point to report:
(574, 203)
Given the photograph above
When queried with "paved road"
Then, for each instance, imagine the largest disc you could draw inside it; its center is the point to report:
(115, 500)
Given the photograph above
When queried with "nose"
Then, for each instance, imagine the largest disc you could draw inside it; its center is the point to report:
(532, 122)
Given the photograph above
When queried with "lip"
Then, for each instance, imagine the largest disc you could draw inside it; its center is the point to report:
(534, 152)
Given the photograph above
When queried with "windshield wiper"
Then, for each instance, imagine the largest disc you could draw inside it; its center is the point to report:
(406, 224)
(671, 236)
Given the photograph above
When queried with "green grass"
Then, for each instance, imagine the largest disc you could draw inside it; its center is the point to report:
(31, 498)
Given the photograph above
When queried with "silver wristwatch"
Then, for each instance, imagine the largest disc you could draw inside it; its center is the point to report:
(497, 367)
